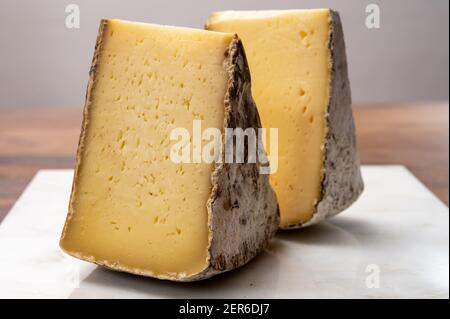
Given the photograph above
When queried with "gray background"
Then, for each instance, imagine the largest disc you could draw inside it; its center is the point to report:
(42, 63)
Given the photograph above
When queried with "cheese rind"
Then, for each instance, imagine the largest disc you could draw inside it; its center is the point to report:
(243, 207)
(342, 183)
(132, 209)
(300, 83)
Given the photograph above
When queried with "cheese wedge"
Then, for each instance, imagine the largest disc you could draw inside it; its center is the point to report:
(132, 208)
(300, 84)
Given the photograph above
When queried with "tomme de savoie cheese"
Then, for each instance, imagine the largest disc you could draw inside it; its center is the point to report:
(132, 208)
(300, 84)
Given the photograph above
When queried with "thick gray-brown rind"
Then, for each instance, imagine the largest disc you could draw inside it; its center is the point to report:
(242, 209)
(342, 183)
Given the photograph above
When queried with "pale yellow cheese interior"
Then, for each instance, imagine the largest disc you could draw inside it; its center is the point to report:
(131, 206)
(289, 57)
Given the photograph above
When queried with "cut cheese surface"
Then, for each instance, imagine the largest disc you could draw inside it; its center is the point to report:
(132, 208)
(290, 64)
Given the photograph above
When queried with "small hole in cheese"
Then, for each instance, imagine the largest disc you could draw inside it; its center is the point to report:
(302, 92)
(304, 109)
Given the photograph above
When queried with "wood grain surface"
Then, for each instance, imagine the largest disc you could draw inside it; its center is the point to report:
(414, 135)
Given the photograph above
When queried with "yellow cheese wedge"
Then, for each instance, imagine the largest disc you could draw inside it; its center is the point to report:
(134, 209)
(300, 85)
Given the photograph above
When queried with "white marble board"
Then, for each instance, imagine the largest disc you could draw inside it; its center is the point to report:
(394, 242)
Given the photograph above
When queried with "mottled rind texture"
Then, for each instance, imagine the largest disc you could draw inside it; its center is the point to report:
(342, 183)
(242, 209)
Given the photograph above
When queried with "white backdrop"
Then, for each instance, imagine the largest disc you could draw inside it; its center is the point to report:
(42, 63)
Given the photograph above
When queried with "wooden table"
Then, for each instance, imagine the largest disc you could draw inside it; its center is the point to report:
(415, 135)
